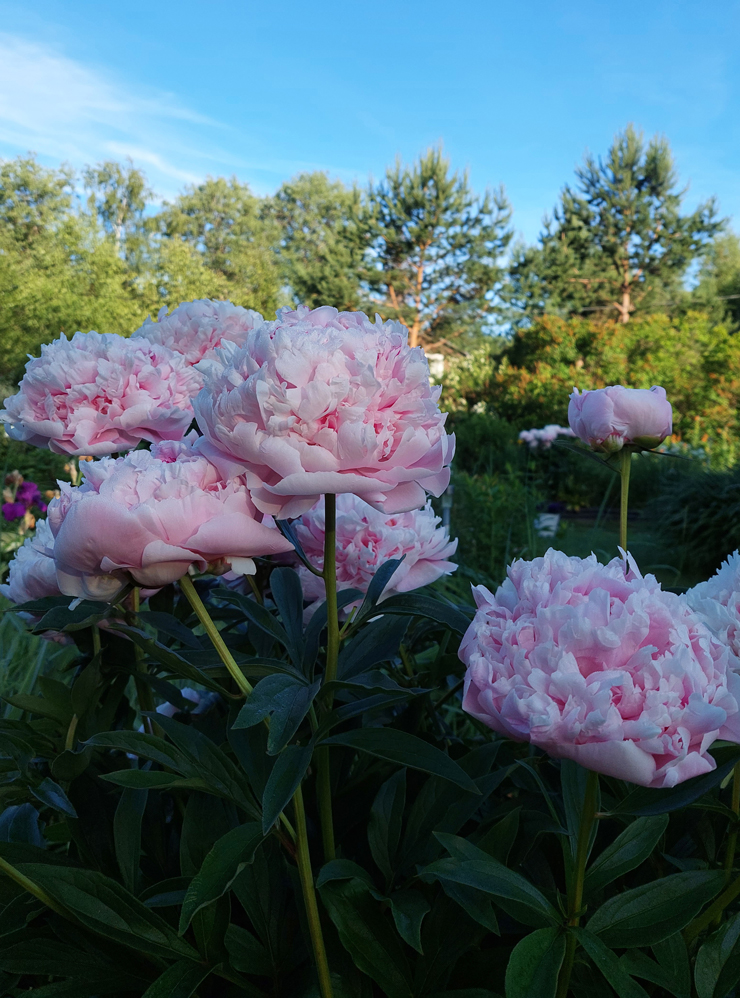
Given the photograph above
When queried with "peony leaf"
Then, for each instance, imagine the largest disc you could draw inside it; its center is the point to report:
(609, 966)
(630, 848)
(535, 963)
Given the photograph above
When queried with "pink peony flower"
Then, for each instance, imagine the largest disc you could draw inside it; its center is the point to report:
(609, 418)
(545, 437)
(32, 570)
(366, 539)
(718, 602)
(149, 520)
(196, 328)
(99, 393)
(325, 401)
(596, 663)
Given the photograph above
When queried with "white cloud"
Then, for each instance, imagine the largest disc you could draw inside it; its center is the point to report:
(63, 109)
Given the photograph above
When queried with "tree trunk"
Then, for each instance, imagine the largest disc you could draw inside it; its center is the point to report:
(626, 306)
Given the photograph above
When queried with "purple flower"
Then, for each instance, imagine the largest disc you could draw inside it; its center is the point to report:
(14, 510)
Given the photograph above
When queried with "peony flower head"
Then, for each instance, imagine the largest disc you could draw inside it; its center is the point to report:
(609, 418)
(196, 328)
(545, 437)
(597, 664)
(32, 571)
(143, 519)
(99, 393)
(718, 602)
(326, 401)
(366, 539)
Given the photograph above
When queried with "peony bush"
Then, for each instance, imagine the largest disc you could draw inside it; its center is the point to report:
(287, 762)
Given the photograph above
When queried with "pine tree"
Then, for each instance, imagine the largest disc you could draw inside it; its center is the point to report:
(434, 251)
(322, 244)
(617, 242)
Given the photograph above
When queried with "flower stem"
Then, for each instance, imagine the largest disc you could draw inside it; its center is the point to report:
(575, 887)
(624, 471)
(186, 584)
(323, 761)
(735, 805)
(309, 896)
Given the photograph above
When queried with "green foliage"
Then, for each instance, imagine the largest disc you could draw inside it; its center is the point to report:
(618, 241)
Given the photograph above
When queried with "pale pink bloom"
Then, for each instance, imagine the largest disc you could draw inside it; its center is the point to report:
(196, 328)
(367, 539)
(597, 664)
(325, 401)
(99, 393)
(609, 418)
(545, 437)
(146, 520)
(718, 602)
(32, 571)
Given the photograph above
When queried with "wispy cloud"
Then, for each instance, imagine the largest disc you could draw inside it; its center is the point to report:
(61, 108)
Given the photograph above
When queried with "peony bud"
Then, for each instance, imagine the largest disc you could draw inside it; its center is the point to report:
(609, 418)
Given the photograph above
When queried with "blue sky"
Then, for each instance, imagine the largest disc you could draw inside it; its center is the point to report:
(516, 91)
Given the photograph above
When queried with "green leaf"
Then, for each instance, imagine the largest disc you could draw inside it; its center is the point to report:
(228, 857)
(497, 841)
(405, 750)
(246, 952)
(645, 801)
(638, 964)
(384, 826)
(137, 743)
(645, 915)
(107, 908)
(168, 624)
(476, 903)
(178, 981)
(256, 614)
(630, 848)
(367, 936)
(673, 956)
(317, 623)
(510, 890)
(289, 769)
(376, 642)
(127, 835)
(54, 958)
(717, 968)
(609, 966)
(534, 964)
(285, 700)
(173, 662)
(20, 823)
(377, 584)
(408, 908)
(412, 604)
(51, 794)
(143, 779)
(285, 585)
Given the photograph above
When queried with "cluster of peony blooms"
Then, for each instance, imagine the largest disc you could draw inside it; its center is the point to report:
(597, 664)
(311, 403)
(545, 437)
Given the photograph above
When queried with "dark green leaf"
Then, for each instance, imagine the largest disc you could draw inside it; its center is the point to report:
(283, 698)
(405, 750)
(645, 801)
(717, 968)
(673, 956)
(376, 642)
(384, 826)
(412, 604)
(246, 953)
(141, 779)
(287, 592)
(109, 909)
(343, 869)
(20, 823)
(367, 936)
(476, 903)
(408, 908)
(222, 865)
(377, 584)
(178, 981)
(137, 743)
(534, 964)
(638, 964)
(51, 794)
(289, 769)
(127, 835)
(256, 614)
(645, 915)
(630, 848)
(497, 841)
(168, 624)
(317, 623)
(172, 661)
(609, 966)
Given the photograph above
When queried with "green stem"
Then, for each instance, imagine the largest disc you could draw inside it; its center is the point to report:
(186, 584)
(624, 471)
(323, 761)
(227, 658)
(575, 887)
(735, 805)
(96, 639)
(309, 896)
(33, 888)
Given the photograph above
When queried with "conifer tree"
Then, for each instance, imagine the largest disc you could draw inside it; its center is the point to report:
(617, 241)
(434, 250)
